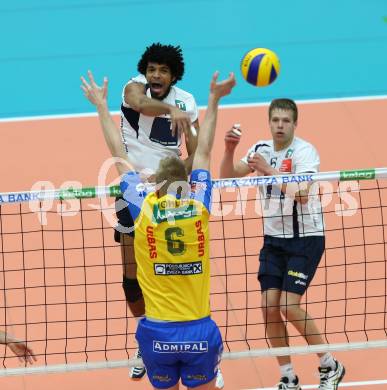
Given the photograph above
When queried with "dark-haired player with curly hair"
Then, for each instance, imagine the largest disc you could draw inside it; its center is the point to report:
(154, 115)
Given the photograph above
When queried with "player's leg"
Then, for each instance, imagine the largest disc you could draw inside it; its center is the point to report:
(207, 386)
(271, 273)
(304, 258)
(296, 315)
(176, 387)
(130, 284)
(275, 326)
(132, 290)
(124, 234)
(304, 255)
(155, 340)
(199, 370)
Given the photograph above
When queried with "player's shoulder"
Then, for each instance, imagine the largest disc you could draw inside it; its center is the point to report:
(301, 144)
(262, 145)
(140, 78)
(200, 174)
(182, 94)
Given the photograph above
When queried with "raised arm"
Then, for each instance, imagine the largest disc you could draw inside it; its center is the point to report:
(98, 97)
(229, 168)
(207, 129)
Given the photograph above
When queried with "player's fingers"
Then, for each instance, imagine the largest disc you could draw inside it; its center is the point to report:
(231, 139)
(32, 355)
(84, 82)
(187, 125)
(173, 127)
(105, 86)
(231, 78)
(91, 78)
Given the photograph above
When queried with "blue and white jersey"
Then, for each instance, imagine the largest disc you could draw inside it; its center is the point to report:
(148, 139)
(283, 216)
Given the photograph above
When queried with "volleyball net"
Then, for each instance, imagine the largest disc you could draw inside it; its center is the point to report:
(61, 272)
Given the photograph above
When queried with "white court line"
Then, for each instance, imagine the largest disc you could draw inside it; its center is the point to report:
(222, 106)
(343, 384)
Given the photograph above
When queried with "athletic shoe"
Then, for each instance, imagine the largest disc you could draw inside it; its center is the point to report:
(219, 384)
(136, 373)
(329, 378)
(286, 384)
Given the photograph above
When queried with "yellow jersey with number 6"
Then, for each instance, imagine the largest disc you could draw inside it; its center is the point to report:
(172, 248)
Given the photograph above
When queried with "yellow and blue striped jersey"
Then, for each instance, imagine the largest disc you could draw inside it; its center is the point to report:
(172, 248)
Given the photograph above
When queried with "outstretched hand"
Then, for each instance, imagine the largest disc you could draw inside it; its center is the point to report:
(20, 349)
(94, 93)
(222, 88)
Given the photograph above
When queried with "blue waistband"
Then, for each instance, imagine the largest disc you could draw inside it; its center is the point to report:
(175, 323)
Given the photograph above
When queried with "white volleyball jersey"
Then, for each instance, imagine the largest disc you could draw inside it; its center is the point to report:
(148, 139)
(283, 216)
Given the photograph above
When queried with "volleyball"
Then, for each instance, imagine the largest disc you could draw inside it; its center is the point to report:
(260, 67)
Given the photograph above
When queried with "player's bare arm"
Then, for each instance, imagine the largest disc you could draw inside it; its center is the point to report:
(135, 96)
(207, 132)
(98, 97)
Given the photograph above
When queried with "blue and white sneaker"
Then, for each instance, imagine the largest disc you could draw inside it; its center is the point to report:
(136, 373)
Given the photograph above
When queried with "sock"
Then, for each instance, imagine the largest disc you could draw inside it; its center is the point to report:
(288, 371)
(327, 360)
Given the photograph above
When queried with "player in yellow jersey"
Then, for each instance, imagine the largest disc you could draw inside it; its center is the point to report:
(177, 337)
(172, 253)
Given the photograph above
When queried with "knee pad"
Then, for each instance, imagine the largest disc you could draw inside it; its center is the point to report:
(132, 290)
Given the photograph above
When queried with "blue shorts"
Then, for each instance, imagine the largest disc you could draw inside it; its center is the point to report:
(172, 350)
(289, 264)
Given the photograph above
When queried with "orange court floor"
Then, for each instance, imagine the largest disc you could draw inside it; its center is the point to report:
(347, 134)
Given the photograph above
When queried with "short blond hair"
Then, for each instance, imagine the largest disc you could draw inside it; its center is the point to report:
(170, 170)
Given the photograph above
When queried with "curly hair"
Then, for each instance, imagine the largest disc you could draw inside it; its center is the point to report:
(169, 55)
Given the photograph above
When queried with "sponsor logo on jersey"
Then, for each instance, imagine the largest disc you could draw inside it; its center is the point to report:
(180, 347)
(168, 269)
(301, 282)
(286, 165)
(163, 215)
(289, 153)
(180, 105)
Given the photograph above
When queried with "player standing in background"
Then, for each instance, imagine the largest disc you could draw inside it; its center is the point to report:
(294, 239)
